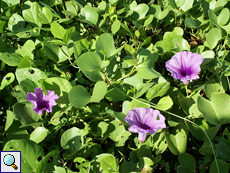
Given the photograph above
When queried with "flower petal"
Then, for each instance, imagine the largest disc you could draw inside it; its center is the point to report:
(39, 95)
(156, 121)
(39, 111)
(138, 116)
(144, 121)
(32, 98)
(41, 101)
(142, 137)
(51, 97)
(138, 129)
(185, 66)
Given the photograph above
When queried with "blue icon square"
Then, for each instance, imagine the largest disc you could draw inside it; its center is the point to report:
(10, 161)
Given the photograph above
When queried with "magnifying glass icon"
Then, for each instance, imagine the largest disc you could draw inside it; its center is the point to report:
(9, 160)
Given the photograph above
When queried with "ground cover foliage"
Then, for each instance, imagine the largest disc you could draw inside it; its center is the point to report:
(102, 59)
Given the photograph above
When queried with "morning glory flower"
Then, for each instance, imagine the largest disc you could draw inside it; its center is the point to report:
(41, 101)
(144, 121)
(185, 66)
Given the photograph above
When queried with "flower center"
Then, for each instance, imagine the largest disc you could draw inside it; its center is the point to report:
(145, 126)
(43, 104)
(186, 72)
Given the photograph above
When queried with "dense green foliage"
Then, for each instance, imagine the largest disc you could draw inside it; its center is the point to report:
(104, 58)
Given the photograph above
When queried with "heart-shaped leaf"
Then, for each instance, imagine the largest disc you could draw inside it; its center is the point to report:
(91, 65)
(177, 143)
(99, 91)
(79, 96)
(30, 152)
(71, 141)
(215, 111)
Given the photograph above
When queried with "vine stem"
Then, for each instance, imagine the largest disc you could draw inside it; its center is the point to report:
(153, 106)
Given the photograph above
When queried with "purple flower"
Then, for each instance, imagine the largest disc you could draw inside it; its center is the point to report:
(41, 101)
(144, 121)
(185, 66)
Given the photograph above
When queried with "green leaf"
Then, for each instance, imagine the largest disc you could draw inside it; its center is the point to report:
(125, 26)
(168, 40)
(157, 90)
(192, 23)
(71, 9)
(215, 111)
(33, 74)
(143, 88)
(213, 17)
(206, 149)
(130, 49)
(45, 16)
(165, 103)
(226, 135)
(9, 119)
(181, 44)
(198, 133)
(145, 64)
(109, 164)
(54, 52)
(78, 96)
(8, 79)
(3, 40)
(133, 81)
(120, 116)
(144, 151)
(212, 87)
(90, 14)
(39, 134)
(135, 104)
(148, 21)
(82, 164)
(156, 11)
(177, 143)
(179, 3)
(187, 5)
(91, 65)
(140, 11)
(223, 17)
(57, 30)
(213, 37)
(118, 133)
(115, 94)
(15, 131)
(178, 31)
(26, 49)
(25, 113)
(11, 59)
(115, 26)
(189, 104)
(222, 165)
(43, 163)
(71, 141)
(105, 46)
(31, 14)
(99, 91)
(30, 152)
(98, 129)
(16, 22)
(187, 161)
(208, 56)
(223, 150)
(159, 142)
(145, 163)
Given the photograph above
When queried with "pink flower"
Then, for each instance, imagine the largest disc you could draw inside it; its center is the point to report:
(185, 66)
(144, 121)
(41, 101)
